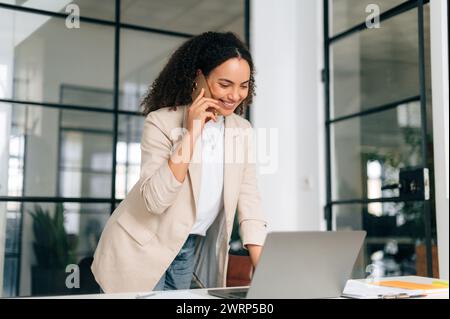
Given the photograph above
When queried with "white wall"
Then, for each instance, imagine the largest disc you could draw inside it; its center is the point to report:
(286, 43)
(440, 82)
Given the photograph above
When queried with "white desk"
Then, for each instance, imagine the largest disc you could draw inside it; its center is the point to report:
(203, 294)
(440, 294)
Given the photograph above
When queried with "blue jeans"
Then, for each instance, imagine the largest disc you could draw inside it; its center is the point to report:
(180, 271)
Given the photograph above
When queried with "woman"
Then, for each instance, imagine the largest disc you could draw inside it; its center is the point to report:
(175, 224)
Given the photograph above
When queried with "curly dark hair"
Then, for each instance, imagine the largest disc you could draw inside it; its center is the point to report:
(206, 51)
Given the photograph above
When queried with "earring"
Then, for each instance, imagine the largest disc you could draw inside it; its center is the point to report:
(194, 86)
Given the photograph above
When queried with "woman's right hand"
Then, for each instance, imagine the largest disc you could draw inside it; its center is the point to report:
(197, 114)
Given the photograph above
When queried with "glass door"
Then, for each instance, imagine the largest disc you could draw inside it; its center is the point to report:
(378, 134)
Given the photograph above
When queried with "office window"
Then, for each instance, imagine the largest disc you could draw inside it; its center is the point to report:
(361, 140)
(375, 66)
(378, 130)
(187, 16)
(103, 9)
(43, 261)
(128, 153)
(345, 14)
(142, 55)
(395, 244)
(58, 152)
(61, 56)
(70, 122)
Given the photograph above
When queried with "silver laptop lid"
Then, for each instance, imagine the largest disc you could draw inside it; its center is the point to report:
(305, 264)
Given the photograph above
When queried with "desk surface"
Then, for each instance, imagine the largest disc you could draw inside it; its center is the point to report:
(203, 293)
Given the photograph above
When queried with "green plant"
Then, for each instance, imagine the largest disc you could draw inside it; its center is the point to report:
(52, 246)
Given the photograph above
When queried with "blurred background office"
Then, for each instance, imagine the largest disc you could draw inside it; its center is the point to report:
(354, 106)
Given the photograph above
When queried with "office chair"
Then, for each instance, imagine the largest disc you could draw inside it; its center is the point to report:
(240, 271)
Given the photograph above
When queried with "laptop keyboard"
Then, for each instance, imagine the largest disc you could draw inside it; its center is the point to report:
(238, 293)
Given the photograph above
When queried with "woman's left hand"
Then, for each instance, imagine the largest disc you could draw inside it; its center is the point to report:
(255, 253)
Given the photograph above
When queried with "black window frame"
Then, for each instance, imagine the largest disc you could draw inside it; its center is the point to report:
(115, 111)
(328, 41)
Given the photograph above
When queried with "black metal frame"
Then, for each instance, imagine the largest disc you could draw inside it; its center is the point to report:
(115, 111)
(328, 41)
(247, 40)
(116, 101)
(97, 21)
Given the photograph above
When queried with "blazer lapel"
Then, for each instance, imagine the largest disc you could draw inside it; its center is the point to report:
(195, 167)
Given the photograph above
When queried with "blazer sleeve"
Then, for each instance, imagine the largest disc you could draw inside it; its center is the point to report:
(252, 222)
(159, 187)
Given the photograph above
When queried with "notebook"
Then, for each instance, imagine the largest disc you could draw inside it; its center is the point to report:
(359, 289)
(427, 285)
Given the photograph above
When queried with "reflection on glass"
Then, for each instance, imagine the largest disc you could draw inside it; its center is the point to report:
(86, 95)
(395, 237)
(345, 14)
(390, 140)
(142, 57)
(80, 58)
(86, 154)
(374, 184)
(10, 213)
(76, 228)
(39, 140)
(187, 16)
(128, 153)
(103, 9)
(10, 268)
(375, 66)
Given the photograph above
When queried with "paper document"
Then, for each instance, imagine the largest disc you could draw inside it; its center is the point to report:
(362, 290)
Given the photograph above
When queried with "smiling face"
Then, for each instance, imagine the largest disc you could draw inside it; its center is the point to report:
(229, 84)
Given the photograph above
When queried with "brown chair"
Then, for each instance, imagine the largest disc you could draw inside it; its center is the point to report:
(240, 271)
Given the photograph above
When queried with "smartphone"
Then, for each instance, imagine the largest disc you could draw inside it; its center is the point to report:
(201, 83)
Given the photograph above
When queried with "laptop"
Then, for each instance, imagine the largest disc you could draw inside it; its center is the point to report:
(301, 265)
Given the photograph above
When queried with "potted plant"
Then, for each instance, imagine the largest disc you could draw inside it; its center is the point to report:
(54, 250)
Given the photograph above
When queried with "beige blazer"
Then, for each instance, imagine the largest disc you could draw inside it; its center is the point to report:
(147, 230)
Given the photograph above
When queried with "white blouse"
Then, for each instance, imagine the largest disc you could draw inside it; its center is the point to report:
(210, 201)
